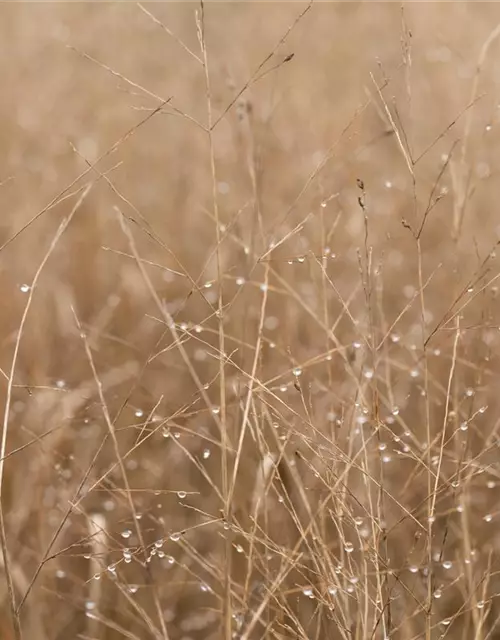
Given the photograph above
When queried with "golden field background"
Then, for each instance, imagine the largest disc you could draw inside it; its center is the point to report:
(253, 392)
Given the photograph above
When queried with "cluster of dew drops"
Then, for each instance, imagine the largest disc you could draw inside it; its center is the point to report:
(368, 373)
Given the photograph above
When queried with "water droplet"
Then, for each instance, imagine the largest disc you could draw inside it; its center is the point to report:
(90, 605)
(97, 576)
(126, 533)
(395, 337)
(356, 345)
(240, 281)
(24, 288)
(437, 594)
(263, 287)
(139, 413)
(382, 446)
(283, 388)
(482, 409)
(491, 484)
(447, 564)
(175, 537)
(413, 569)
(480, 604)
(358, 521)
(464, 426)
(395, 411)
(469, 392)
(488, 517)
(205, 588)
(446, 622)
(127, 556)
(215, 410)
(239, 548)
(348, 547)
(159, 543)
(308, 592)
(170, 559)
(369, 374)
(297, 372)
(132, 588)
(60, 574)
(332, 591)
(206, 454)
(181, 494)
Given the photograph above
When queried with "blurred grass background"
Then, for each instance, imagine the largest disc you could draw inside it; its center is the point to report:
(353, 279)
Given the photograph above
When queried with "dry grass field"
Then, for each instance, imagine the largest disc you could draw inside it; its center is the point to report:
(250, 322)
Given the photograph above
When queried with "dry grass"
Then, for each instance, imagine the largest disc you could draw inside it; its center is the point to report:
(249, 331)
